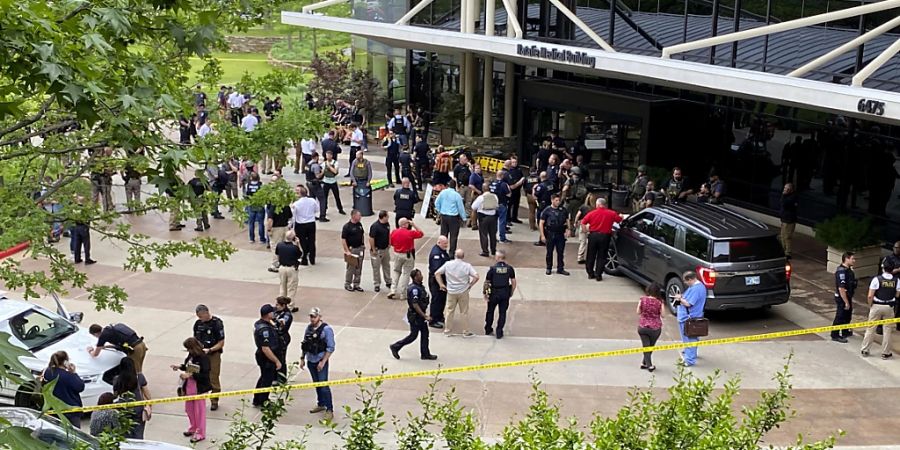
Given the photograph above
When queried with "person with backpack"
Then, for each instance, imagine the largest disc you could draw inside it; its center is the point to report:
(485, 207)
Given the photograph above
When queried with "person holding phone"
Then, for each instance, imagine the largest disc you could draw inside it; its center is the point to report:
(194, 380)
(69, 385)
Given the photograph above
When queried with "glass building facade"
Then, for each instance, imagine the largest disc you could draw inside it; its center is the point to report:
(839, 164)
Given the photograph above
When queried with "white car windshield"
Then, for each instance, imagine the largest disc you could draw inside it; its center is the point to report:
(38, 329)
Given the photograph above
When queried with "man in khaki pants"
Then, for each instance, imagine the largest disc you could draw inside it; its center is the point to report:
(403, 245)
(288, 254)
(457, 277)
(210, 331)
(379, 248)
(884, 292)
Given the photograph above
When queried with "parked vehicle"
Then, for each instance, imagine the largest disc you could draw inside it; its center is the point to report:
(51, 431)
(739, 260)
(42, 332)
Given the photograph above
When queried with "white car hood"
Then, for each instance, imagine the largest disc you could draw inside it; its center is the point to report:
(76, 346)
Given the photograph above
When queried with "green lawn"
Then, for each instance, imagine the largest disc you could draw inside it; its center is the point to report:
(234, 65)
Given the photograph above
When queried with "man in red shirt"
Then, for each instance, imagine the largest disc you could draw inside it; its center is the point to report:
(403, 244)
(598, 223)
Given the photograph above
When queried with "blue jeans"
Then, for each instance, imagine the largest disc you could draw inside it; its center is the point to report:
(690, 353)
(323, 394)
(501, 221)
(258, 217)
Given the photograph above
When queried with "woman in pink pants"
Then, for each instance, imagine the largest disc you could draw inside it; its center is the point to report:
(195, 380)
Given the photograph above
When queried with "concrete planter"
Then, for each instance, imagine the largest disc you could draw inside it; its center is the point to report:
(867, 260)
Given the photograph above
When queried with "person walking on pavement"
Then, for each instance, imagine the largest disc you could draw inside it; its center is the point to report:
(598, 224)
(485, 207)
(788, 213)
(845, 285)
(649, 311)
(265, 336)
(405, 200)
(283, 319)
(379, 241)
(884, 291)
(418, 319)
(210, 331)
(499, 286)
(304, 212)
(353, 242)
(318, 346)
(554, 225)
(500, 188)
(436, 259)
(690, 306)
(456, 277)
(391, 144)
(403, 243)
(449, 204)
(122, 338)
(288, 255)
(330, 170)
(277, 221)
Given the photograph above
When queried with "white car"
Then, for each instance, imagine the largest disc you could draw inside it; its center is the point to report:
(43, 332)
(52, 432)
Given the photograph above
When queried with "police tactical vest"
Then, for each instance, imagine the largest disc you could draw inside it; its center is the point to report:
(555, 222)
(360, 170)
(887, 289)
(500, 279)
(404, 200)
(490, 202)
(314, 340)
(422, 302)
(399, 125)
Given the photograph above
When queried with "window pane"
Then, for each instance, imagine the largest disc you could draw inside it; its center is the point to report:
(696, 245)
(665, 232)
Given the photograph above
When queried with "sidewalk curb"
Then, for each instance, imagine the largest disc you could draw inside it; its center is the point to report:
(14, 249)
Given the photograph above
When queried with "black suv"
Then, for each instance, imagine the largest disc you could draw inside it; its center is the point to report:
(739, 260)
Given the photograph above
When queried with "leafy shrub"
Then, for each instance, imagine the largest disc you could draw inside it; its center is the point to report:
(847, 233)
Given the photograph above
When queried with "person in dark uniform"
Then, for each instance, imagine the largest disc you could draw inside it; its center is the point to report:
(417, 299)
(499, 286)
(420, 151)
(894, 259)
(405, 200)
(882, 297)
(436, 259)
(515, 177)
(391, 144)
(406, 167)
(554, 224)
(500, 188)
(845, 285)
(283, 320)
(122, 338)
(210, 331)
(677, 188)
(542, 157)
(542, 193)
(267, 347)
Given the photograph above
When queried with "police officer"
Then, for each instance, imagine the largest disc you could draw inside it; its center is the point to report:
(405, 200)
(267, 347)
(314, 175)
(574, 192)
(436, 259)
(283, 319)
(543, 190)
(210, 331)
(406, 167)
(894, 259)
(639, 188)
(554, 224)
(122, 338)
(417, 299)
(883, 294)
(845, 285)
(499, 286)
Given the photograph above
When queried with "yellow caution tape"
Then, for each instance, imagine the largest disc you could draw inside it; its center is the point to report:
(498, 365)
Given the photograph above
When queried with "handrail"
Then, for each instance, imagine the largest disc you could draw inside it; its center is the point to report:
(586, 29)
(512, 19)
(412, 12)
(780, 27)
(876, 64)
(824, 59)
(323, 4)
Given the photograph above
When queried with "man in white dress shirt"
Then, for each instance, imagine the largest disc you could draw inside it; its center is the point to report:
(304, 218)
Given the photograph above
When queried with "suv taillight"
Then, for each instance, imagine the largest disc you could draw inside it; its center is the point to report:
(706, 276)
(787, 271)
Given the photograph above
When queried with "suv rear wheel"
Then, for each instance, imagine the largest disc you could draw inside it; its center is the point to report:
(612, 260)
(674, 286)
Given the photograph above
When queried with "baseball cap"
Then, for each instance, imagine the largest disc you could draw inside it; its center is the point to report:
(315, 312)
(266, 309)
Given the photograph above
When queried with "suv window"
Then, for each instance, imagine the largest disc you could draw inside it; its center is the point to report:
(696, 245)
(744, 250)
(644, 223)
(666, 231)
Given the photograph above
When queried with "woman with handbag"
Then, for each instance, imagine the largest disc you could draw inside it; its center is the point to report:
(130, 386)
(195, 380)
(649, 310)
(69, 385)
